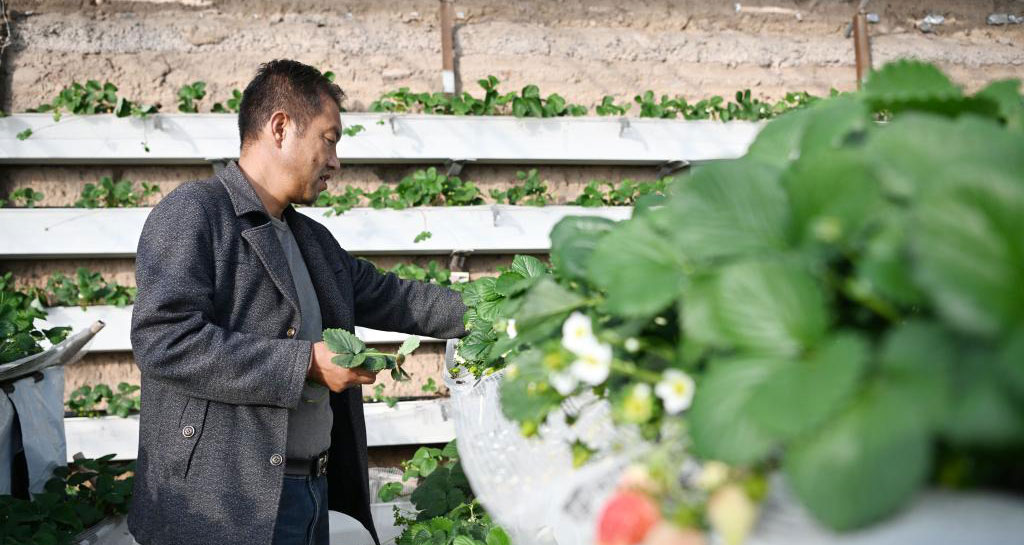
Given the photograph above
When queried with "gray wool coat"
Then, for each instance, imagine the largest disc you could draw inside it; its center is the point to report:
(211, 333)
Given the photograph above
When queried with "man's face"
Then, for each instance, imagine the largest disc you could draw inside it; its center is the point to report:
(311, 156)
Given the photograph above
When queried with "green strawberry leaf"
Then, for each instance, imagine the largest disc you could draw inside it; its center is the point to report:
(341, 341)
(410, 344)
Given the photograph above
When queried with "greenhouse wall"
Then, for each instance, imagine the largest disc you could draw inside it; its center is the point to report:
(582, 50)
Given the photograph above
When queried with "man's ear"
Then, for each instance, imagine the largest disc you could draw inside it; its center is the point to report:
(279, 125)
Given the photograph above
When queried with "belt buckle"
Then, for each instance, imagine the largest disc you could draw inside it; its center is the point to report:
(320, 466)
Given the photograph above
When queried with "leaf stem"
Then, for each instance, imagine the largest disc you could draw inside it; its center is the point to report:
(630, 369)
(380, 354)
(878, 306)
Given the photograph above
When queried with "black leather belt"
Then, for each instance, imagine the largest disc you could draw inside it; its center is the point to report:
(308, 467)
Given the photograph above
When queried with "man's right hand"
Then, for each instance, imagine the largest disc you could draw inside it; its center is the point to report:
(336, 377)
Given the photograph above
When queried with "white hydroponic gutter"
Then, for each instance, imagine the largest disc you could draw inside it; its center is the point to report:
(386, 138)
(41, 233)
(116, 336)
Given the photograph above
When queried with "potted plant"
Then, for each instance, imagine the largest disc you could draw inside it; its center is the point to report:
(83, 503)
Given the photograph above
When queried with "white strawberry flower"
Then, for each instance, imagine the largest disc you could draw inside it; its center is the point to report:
(632, 345)
(712, 475)
(732, 514)
(511, 329)
(638, 406)
(638, 477)
(593, 363)
(564, 383)
(675, 390)
(827, 228)
(577, 333)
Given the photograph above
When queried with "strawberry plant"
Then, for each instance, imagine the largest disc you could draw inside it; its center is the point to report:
(93, 98)
(426, 187)
(835, 306)
(124, 401)
(379, 397)
(231, 105)
(609, 107)
(530, 104)
(431, 188)
(380, 198)
(352, 130)
(488, 105)
(446, 510)
(403, 101)
(531, 192)
(593, 195)
(400, 100)
(459, 193)
(629, 192)
(28, 196)
(86, 288)
(527, 103)
(423, 188)
(625, 194)
(85, 400)
(74, 499)
(489, 301)
(351, 352)
(433, 273)
(743, 108)
(19, 338)
(339, 204)
(649, 107)
(189, 96)
(110, 194)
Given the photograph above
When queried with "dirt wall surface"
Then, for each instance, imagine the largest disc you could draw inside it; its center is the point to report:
(582, 50)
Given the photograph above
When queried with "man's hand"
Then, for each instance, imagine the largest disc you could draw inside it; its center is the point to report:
(336, 377)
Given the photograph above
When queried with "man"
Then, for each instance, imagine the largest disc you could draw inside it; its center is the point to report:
(242, 408)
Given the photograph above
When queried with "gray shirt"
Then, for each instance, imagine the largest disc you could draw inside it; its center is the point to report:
(309, 425)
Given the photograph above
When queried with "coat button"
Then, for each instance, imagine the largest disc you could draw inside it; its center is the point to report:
(291, 332)
(276, 460)
(188, 431)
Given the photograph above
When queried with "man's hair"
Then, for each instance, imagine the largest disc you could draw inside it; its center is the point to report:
(286, 85)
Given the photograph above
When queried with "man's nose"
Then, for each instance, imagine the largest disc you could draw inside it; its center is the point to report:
(333, 163)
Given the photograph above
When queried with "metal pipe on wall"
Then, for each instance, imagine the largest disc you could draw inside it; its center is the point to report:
(861, 47)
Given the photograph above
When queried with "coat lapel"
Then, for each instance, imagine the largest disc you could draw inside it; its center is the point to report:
(262, 237)
(264, 240)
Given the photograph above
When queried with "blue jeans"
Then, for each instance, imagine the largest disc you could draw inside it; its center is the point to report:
(302, 512)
